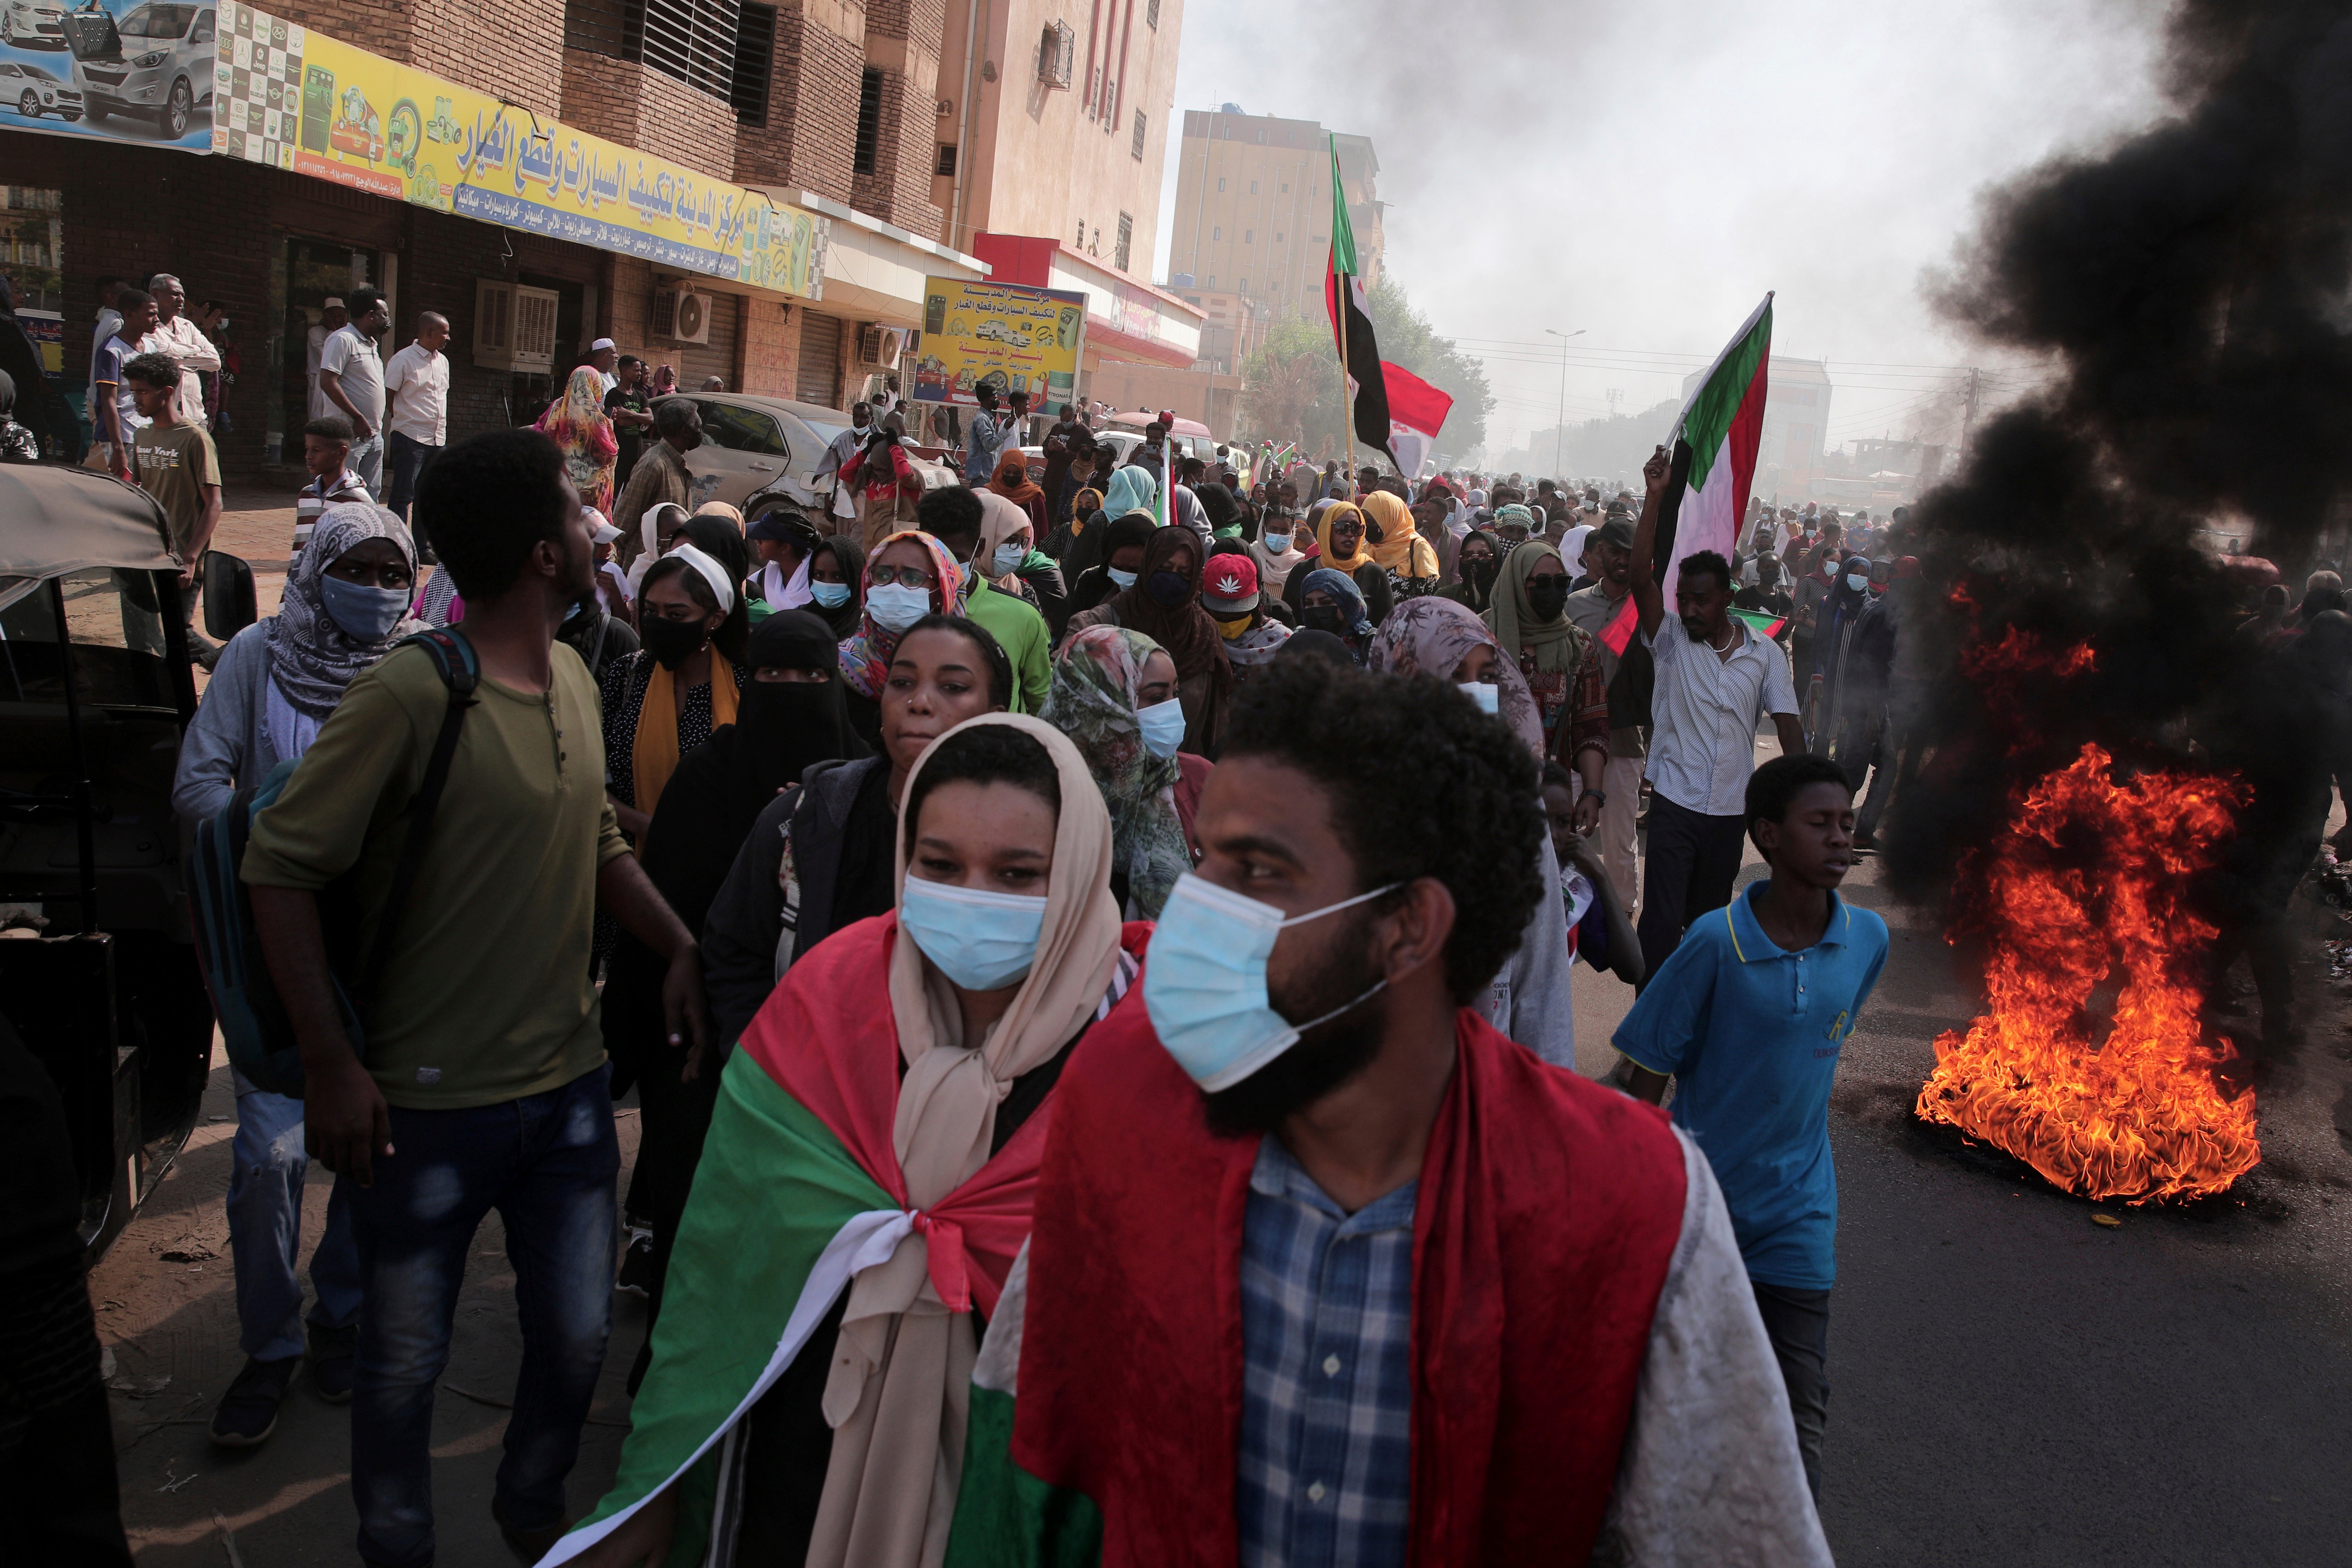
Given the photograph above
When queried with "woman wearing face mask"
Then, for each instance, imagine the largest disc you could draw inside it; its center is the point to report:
(1130, 491)
(1086, 512)
(835, 573)
(789, 719)
(1164, 606)
(1476, 565)
(1013, 564)
(1329, 604)
(1115, 697)
(1339, 540)
(1400, 551)
(1279, 549)
(1011, 481)
(908, 576)
(665, 699)
(898, 1071)
(1120, 545)
(344, 607)
(1558, 658)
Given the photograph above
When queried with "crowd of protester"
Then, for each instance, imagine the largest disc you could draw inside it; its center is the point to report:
(1293, 796)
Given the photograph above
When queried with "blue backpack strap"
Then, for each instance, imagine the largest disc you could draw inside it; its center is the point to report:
(460, 670)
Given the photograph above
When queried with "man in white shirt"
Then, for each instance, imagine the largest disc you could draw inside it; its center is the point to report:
(416, 408)
(108, 320)
(351, 372)
(603, 353)
(839, 455)
(332, 318)
(1713, 679)
(177, 335)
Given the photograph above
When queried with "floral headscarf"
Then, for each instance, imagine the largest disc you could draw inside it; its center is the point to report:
(312, 658)
(577, 423)
(866, 653)
(1433, 636)
(1093, 701)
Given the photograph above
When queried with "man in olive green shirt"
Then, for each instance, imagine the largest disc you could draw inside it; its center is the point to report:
(484, 1084)
(174, 461)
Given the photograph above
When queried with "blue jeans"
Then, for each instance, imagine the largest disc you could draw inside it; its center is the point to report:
(267, 1167)
(547, 1163)
(405, 460)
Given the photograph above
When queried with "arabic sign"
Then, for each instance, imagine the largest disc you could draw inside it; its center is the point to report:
(113, 70)
(1011, 336)
(300, 101)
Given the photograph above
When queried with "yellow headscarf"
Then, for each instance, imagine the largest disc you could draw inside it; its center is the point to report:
(1402, 549)
(1332, 513)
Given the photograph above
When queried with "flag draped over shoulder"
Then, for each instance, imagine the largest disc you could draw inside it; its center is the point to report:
(798, 1191)
(1715, 441)
(1106, 1429)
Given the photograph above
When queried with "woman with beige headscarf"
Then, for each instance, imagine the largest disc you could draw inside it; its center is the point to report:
(867, 1183)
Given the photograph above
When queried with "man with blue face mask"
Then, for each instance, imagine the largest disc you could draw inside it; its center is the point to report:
(953, 516)
(1311, 1237)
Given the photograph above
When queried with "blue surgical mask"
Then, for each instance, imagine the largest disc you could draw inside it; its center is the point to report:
(1124, 579)
(1278, 543)
(1857, 581)
(979, 940)
(1008, 558)
(366, 614)
(1163, 727)
(1204, 981)
(1486, 694)
(832, 595)
(895, 606)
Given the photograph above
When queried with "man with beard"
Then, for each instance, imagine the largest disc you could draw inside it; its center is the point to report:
(1713, 681)
(1323, 1268)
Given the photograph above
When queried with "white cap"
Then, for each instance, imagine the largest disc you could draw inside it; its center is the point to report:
(601, 345)
(334, 302)
(605, 533)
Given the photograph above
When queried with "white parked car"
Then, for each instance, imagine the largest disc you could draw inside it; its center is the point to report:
(155, 64)
(757, 450)
(32, 24)
(33, 92)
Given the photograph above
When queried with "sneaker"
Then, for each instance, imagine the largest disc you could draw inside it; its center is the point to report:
(248, 1411)
(636, 1262)
(334, 1361)
(529, 1545)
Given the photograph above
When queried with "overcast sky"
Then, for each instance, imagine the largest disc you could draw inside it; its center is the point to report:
(1644, 172)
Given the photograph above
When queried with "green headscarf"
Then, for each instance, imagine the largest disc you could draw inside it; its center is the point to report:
(1559, 643)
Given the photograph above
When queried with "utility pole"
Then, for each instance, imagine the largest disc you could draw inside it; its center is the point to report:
(1969, 419)
(1559, 428)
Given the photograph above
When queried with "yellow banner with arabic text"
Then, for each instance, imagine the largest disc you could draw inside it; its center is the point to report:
(296, 100)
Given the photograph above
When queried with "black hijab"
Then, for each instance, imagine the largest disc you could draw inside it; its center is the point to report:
(850, 555)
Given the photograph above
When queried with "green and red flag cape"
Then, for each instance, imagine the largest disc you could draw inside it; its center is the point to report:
(1549, 1211)
(798, 1191)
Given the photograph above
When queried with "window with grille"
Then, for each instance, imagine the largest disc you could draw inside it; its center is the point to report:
(1249, 237)
(869, 121)
(1252, 187)
(755, 48)
(1055, 49)
(692, 40)
(1151, 15)
(947, 159)
(1126, 240)
(1221, 185)
(1217, 232)
(1137, 148)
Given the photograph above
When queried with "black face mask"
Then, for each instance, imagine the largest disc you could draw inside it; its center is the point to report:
(1548, 596)
(1373, 532)
(1324, 618)
(672, 643)
(1479, 570)
(1168, 589)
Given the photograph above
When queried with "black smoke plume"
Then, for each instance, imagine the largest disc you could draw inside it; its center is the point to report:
(2191, 287)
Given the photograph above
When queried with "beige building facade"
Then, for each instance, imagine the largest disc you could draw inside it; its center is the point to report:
(1253, 213)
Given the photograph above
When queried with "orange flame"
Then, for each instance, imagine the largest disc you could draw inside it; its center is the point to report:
(2138, 1114)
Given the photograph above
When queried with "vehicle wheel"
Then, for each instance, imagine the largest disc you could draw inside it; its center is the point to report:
(173, 115)
(71, 117)
(29, 106)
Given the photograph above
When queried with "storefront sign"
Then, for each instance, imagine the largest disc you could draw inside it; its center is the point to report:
(299, 100)
(1011, 336)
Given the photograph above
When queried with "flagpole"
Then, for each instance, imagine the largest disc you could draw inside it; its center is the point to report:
(1339, 281)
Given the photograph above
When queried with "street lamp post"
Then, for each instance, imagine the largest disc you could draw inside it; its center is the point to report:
(1559, 428)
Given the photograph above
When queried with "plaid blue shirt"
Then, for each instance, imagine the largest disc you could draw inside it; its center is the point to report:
(1327, 1374)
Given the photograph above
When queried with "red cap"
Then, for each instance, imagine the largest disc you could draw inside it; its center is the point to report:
(1907, 567)
(1229, 586)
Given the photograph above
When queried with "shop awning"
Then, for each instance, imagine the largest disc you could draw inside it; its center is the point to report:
(874, 270)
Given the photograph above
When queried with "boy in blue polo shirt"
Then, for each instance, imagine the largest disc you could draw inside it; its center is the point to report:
(1749, 1015)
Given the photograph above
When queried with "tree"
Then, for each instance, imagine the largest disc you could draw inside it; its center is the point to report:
(1408, 340)
(1291, 385)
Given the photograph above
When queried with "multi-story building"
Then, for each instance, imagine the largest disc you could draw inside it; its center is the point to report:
(1253, 211)
(737, 189)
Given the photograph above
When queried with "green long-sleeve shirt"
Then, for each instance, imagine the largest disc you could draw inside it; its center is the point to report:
(1021, 632)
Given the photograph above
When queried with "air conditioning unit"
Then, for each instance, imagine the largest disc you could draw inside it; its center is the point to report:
(514, 326)
(878, 345)
(681, 315)
(1056, 50)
